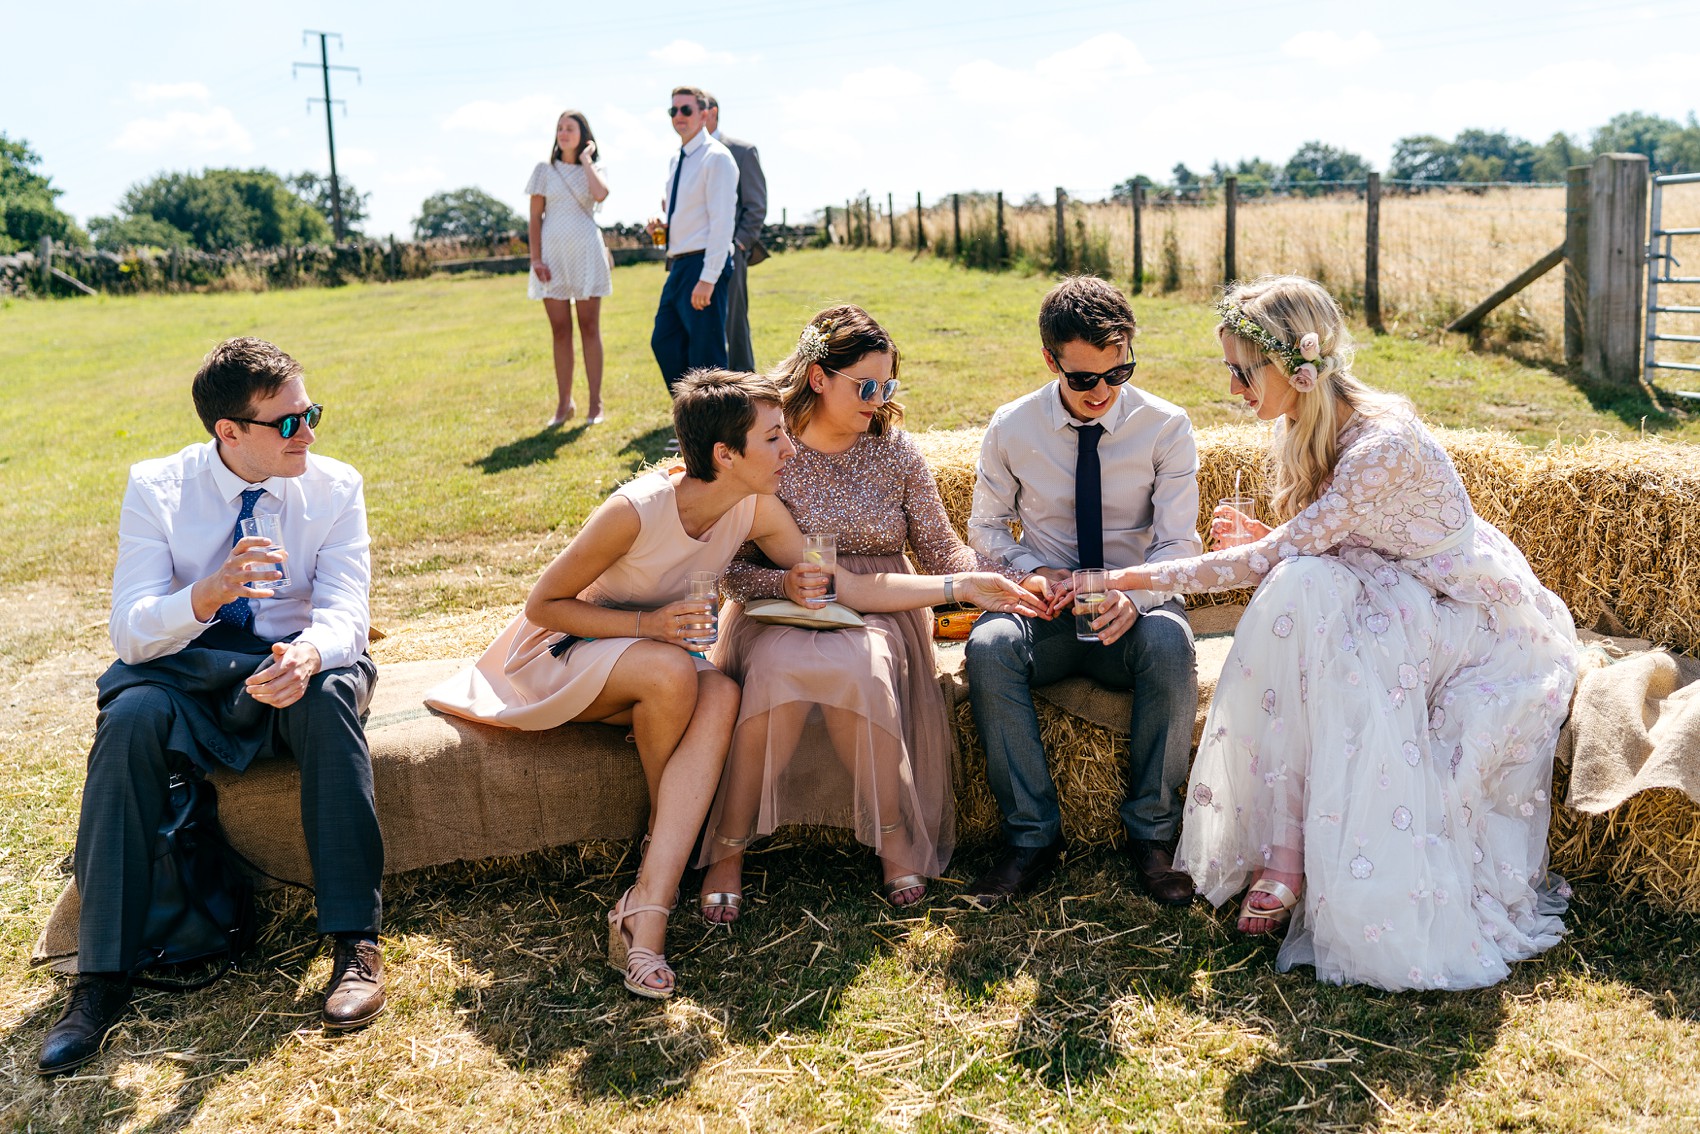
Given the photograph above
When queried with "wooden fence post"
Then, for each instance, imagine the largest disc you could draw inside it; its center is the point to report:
(868, 215)
(1003, 235)
(828, 223)
(1372, 254)
(849, 224)
(1576, 190)
(1230, 194)
(44, 254)
(1617, 269)
(956, 222)
(1138, 239)
(1060, 259)
(920, 229)
(174, 269)
(891, 220)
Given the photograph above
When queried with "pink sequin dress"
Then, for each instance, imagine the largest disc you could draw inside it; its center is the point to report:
(1389, 714)
(520, 683)
(851, 722)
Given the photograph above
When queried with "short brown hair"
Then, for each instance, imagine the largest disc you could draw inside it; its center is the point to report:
(851, 335)
(696, 93)
(237, 373)
(1085, 309)
(712, 407)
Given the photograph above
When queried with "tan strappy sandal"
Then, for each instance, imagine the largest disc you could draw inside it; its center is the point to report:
(1278, 917)
(634, 963)
(904, 882)
(726, 900)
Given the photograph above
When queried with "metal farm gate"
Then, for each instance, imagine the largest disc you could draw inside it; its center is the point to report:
(1660, 261)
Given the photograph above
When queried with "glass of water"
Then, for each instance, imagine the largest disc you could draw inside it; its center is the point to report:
(1236, 532)
(271, 529)
(1090, 595)
(822, 552)
(704, 587)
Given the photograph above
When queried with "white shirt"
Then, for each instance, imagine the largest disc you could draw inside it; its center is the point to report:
(708, 204)
(1148, 461)
(179, 515)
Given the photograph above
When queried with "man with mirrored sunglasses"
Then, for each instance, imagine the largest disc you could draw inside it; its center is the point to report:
(699, 202)
(222, 662)
(1096, 473)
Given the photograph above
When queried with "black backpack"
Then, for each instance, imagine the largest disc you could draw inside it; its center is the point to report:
(202, 909)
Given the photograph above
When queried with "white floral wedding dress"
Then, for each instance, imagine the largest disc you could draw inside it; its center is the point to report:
(1388, 715)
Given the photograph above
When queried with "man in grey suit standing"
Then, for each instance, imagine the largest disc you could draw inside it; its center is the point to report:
(746, 239)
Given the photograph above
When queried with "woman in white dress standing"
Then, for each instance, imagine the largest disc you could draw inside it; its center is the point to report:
(1377, 761)
(569, 261)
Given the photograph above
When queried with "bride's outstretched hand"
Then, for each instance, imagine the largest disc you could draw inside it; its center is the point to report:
(991, 591)
(1139, 578)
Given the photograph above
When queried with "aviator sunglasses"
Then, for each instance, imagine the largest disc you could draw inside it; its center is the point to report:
(1242, 374)
(1084, 380)
(866, 388)
(290, 423)
(687, 110)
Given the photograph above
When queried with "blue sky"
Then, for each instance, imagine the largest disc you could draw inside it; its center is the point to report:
(872, 96)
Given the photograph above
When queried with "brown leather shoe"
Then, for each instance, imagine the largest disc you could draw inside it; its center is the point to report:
(1017, 870)
(97, 1001)
(1154, 866)
(355, 994)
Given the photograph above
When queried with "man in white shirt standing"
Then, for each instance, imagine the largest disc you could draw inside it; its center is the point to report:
(220, 663)
(1097, 473)
(747, 248)
(700, 209)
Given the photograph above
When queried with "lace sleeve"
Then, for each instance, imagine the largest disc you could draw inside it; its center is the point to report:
(1367, 482)
(752, 576)
(938, 549)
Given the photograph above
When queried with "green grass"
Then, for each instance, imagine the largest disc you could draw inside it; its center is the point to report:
(1084, 1007)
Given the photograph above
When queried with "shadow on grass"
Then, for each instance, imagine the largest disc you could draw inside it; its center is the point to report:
(534, 450)
(647, 448)
(201, 1037)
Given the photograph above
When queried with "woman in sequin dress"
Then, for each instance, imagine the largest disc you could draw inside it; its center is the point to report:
(848, 727)
(1377, 759)
(569, 261)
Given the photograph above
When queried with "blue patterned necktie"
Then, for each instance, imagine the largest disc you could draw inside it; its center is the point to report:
(237, 612)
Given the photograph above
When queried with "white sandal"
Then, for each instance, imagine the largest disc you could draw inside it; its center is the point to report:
(635, 963)
(1279, 916)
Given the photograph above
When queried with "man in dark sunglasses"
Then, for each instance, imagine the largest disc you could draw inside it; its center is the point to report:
(699, 202)
(222, 662)
(1096, 473)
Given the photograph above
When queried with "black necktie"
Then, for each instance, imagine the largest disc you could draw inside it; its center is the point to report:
(673, 196)
(1089, 497)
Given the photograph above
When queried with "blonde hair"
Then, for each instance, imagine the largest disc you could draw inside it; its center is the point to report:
(1305, 448)
(836, 338)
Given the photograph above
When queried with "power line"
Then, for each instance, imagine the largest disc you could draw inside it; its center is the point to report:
(325, 70)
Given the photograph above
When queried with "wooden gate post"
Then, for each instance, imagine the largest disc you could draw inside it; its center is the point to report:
(1231, 193)
(1372, 254)
(1617, 269)
(956, 222)
(920, 230)
(1060, 259)
(891, 220)
(829, 224)
(1138, 240)
(44, 256)
(1577, 181)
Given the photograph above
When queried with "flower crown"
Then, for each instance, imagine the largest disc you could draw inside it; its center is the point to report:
(812, 343)
(1300, 358)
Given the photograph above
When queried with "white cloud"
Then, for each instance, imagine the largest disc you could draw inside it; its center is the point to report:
(689, 53)
(529, 114)
(1332, 47)
(185, 132)
(356, 157)
(151, 93)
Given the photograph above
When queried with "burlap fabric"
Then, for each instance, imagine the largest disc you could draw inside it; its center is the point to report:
(1634, 726)
(447, 790)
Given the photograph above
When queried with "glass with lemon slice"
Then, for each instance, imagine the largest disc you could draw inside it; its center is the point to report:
(821, 552)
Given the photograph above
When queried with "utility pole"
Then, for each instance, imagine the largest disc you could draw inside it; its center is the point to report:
(325, 70)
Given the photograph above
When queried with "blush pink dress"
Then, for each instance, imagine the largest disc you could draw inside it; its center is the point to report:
(520, 683)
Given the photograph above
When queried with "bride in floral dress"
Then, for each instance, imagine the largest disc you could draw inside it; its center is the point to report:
(1377, 760)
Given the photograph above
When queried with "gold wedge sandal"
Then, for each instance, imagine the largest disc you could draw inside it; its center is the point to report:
(1280, 916)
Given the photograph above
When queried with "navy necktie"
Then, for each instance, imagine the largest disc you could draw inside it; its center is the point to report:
(237, 612)
(673, 195)
(1089, 496)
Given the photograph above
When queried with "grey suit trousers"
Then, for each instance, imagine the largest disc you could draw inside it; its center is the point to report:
(137, 747)
(740, 353)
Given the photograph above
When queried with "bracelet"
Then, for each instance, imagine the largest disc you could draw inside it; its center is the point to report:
(950, 588)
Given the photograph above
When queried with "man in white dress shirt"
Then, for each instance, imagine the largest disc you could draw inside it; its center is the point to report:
(1097, 473)
(221, 664)
(700, 206)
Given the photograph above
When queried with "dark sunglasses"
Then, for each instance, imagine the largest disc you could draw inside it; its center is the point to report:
(1242, 374)
(866, 388)
(290, 423)
(675, 111)
(1084, 380)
